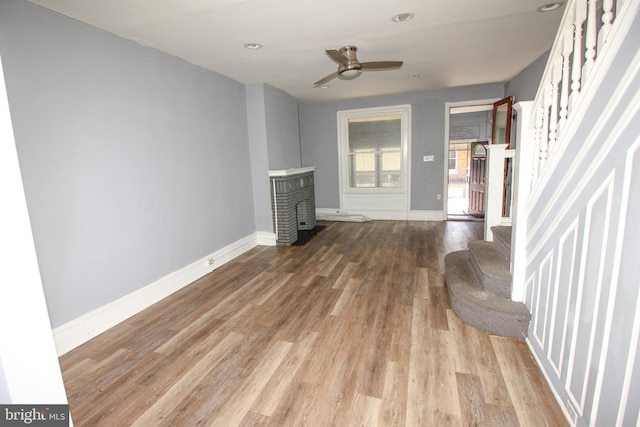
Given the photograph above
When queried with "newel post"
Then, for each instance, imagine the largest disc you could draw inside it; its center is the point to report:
(523, 166)
(494, 191)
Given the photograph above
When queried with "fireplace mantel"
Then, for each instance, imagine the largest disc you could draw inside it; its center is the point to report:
(292, 171)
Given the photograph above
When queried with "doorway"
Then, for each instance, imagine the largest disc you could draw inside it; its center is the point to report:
(468, 125)
(458, 186)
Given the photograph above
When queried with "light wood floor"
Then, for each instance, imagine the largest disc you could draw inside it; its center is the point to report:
(355, 328)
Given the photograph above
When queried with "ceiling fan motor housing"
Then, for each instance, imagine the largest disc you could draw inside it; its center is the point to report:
(352, 68)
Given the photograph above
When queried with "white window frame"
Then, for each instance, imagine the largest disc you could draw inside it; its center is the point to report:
(455, 159)
(378, 202)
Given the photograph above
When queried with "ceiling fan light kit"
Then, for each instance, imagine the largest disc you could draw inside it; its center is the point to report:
(350, 68)
(349, 73)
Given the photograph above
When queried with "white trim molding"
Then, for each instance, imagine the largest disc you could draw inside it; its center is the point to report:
(461, 106)
(435, 215)
(380, 202)
(292, 171)
(80, 330)
(328, 214)
(264, 238)
(29, 368)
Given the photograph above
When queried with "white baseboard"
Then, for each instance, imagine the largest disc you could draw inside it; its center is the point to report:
(82, 329)
(265, 238)
(427, 216)
(384, 215)
(323, 212)
(378, 215)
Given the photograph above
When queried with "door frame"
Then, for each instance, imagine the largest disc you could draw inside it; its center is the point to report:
(473, 105)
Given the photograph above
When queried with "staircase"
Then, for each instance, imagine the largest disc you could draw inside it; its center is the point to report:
(575, 233)
(479, 285)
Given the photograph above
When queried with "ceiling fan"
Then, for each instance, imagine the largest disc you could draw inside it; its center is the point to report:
(349, 67)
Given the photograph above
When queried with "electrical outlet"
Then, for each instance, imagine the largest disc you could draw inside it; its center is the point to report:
(438, 196)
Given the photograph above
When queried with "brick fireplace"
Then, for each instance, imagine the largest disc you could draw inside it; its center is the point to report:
(293, 204)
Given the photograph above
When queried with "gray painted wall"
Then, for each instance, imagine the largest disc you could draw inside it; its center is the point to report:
(259, 148)
(283, 131)
(525, 85)
(134, 162)
(319, 143)
(274, 139)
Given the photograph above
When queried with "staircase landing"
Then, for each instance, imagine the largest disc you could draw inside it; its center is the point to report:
(479, 285)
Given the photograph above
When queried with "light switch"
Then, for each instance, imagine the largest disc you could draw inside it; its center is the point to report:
(428, 158)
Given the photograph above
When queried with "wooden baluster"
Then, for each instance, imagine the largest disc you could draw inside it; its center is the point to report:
(567, 46)
(576, 66)
(590, 40)
(556, 73)
(607, 19)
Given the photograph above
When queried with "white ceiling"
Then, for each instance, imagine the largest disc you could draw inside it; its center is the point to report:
(448, 43)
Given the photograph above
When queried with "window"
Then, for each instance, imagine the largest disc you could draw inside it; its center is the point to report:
(453, 161)
(373, 147)
(374, 151)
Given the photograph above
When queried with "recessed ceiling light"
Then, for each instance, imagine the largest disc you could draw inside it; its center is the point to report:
(324, 87)
(550, 6)
(253, 45)
(402, 17)
(414, 76)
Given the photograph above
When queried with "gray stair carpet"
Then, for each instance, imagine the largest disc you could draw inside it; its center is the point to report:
(479, 286)
(502, 239)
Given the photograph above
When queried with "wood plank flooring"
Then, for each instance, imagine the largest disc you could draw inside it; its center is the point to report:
(353, 329)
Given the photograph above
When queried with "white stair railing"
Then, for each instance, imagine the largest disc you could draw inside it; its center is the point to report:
(580, 38)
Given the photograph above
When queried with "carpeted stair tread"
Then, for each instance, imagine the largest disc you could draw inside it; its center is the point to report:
(477, 307)
(492, 267)
(502, 238)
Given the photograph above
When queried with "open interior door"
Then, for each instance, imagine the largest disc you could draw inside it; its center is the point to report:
(501, 131)
(501, 134)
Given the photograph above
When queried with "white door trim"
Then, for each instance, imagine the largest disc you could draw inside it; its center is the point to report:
(447, 125)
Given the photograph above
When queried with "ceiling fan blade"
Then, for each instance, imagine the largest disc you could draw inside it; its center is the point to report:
(326, 79)
(337, 56)
(381, 65)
